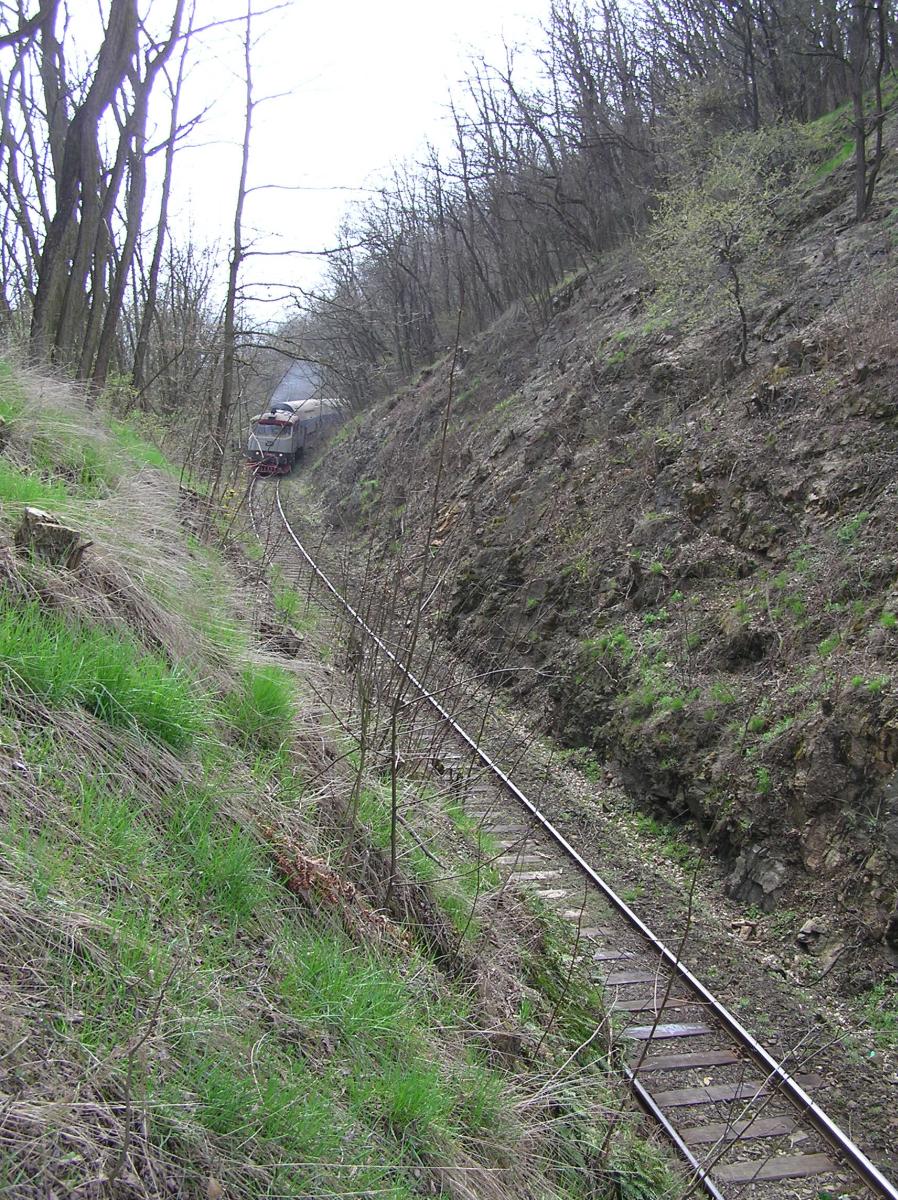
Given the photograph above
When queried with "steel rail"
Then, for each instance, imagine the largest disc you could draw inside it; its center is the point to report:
(786, 1085)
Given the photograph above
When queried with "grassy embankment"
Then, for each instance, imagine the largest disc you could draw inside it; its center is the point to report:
(190, 992)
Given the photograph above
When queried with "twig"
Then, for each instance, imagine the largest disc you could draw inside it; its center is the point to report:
(129, 1079)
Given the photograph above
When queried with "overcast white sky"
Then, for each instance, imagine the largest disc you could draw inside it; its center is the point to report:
(368, 84)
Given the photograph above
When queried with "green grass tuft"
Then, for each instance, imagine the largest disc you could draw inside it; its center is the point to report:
(224, 865)
(21, 487)
(12, 402)
(108, 674)
(263, 709)
(138, 448)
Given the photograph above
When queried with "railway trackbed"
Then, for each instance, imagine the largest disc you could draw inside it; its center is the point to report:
(745, 1123)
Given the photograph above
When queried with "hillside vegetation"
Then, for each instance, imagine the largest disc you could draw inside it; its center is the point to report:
(668, 521)
(206, 990)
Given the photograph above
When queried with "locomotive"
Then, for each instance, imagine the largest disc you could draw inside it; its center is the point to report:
(277, 437)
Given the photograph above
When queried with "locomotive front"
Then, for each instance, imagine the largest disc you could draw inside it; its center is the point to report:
(271, 447)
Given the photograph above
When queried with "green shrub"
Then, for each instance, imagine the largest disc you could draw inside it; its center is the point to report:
(661, 617)
(713, 246)
(881, 1010)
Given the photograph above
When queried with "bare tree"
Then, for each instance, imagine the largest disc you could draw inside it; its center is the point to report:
(151, 286)
(229, 340)
(74, 230)
(135, 137)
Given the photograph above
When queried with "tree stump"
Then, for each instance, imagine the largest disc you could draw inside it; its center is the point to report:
(43, 535)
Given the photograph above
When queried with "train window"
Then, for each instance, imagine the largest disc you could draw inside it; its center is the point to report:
(266, 429)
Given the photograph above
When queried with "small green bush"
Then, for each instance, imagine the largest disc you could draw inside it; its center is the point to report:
(881, 1011)
(661, 617)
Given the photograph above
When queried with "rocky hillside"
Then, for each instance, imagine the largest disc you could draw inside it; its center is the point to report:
(685, 569)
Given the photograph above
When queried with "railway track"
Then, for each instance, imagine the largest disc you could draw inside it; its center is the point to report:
(743, 1122)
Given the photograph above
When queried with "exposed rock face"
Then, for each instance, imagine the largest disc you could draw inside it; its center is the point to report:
(756, 878)
(689, 569)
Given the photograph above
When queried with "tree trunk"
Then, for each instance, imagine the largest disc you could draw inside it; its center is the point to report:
(858, 47)
(229, 349)
(137, 172)
(148, 313)
(70, 239)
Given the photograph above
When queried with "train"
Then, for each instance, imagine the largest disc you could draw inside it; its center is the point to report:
(279, 436)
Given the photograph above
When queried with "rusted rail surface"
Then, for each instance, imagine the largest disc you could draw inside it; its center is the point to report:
(776, 1077)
